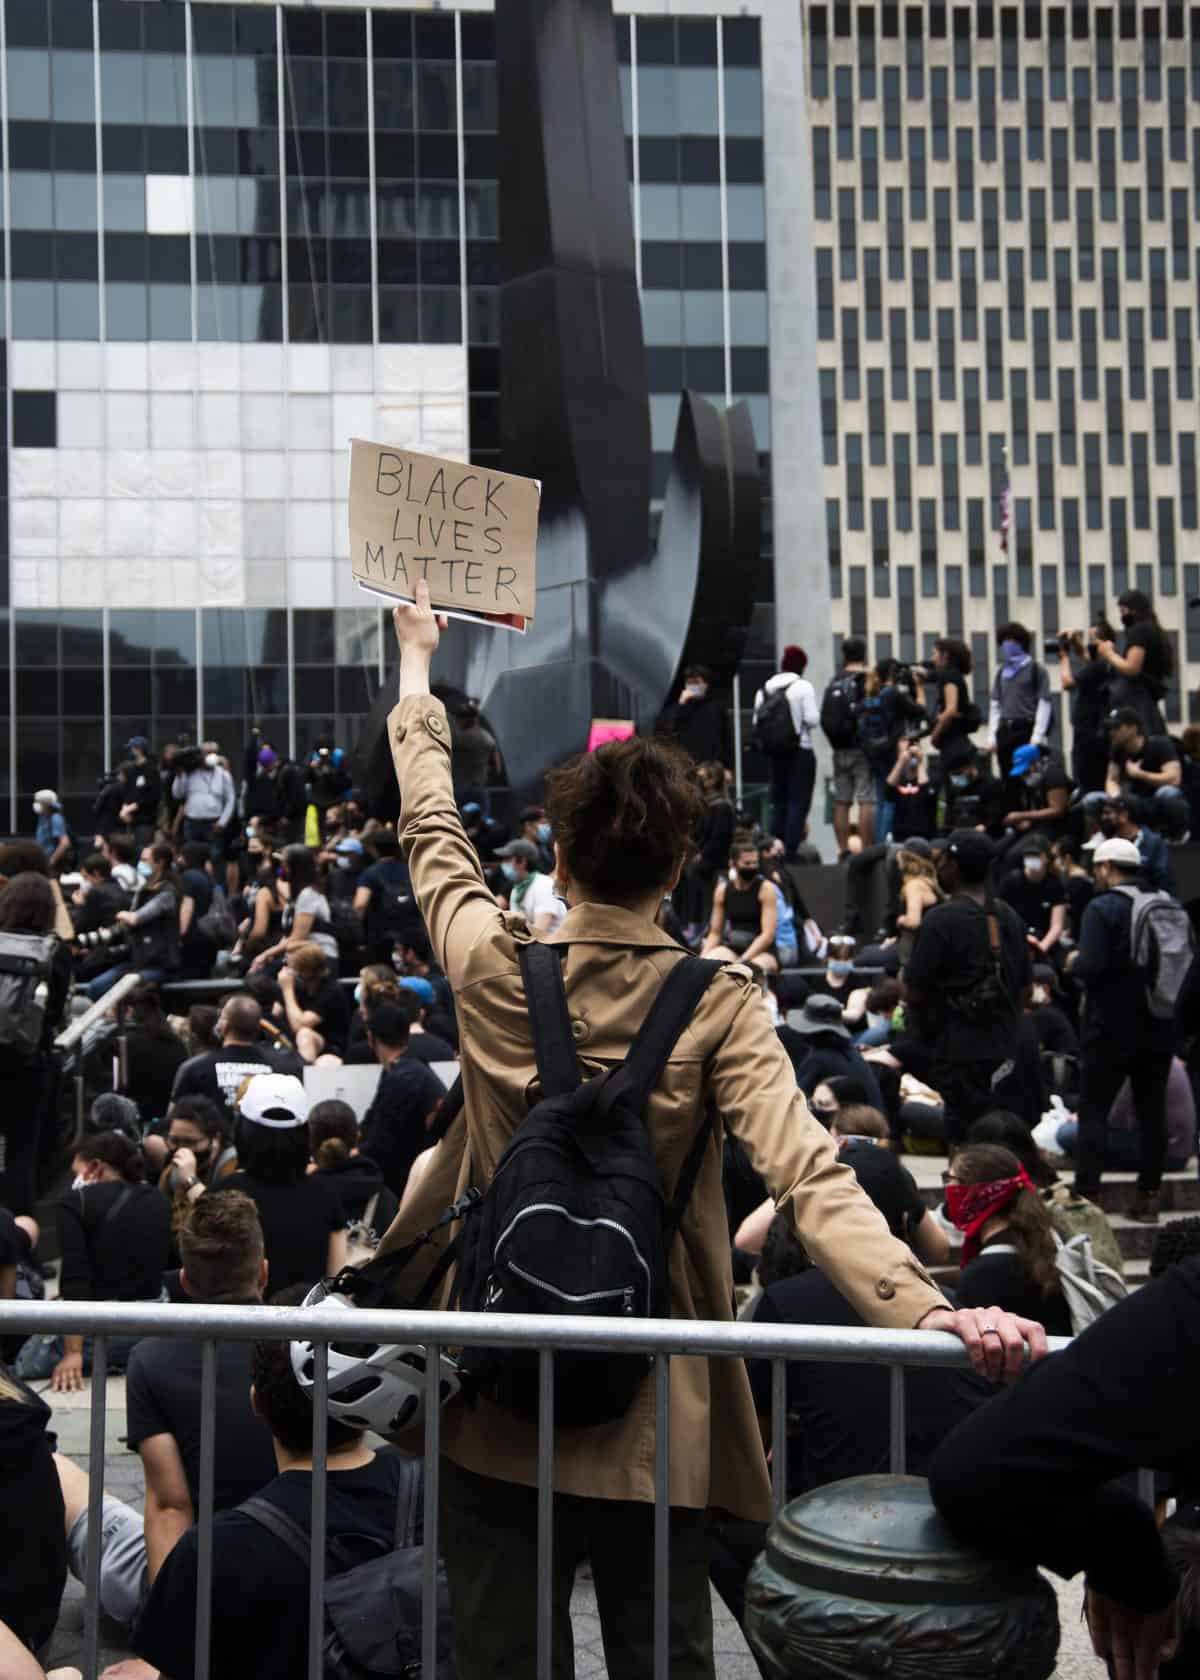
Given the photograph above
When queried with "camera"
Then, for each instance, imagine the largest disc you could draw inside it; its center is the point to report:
(188, 759)
(101, 938)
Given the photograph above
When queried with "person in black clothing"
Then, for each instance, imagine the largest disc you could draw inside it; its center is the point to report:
(303, 1221)
(154, 1053)
(963, 995)
(1146, 769)
(975, 798)
(912, 794)
(1087, 678)
(333, 1138)
(1039, 792)
(197, 950)
(145, 788)
(316, 1007)
(383, 898)
(417, 999)
(113, 806)
(712, 849)
(950, 735)
(1035, 1477)
(222, 1245)
(96, 900)
(697, 719)
(1138, 677)
(1056, 1035)
(217, 1074)
(401, 1121)
(114, 1231)
(258, 1632)
(1008, 1250)
(745, 909)
(827, 1050)
(1038, 896)
(32, 1543)
(1077, 883)
(1121, 1039)
(419, 964)
(29, 1081)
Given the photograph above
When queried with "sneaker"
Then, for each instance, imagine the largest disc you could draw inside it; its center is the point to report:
(1145, 1207)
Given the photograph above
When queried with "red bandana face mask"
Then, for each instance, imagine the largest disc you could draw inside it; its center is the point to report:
(970, 1206)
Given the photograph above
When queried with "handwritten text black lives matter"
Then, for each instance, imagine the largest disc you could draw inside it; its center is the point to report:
(448, 529)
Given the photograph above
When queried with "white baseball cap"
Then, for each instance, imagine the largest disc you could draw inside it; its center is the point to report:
(45, 796)
(277, 1100)
(1121, 852)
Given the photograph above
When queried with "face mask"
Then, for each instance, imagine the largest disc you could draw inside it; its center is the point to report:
(1040, 995)
(211, 761)
(145, 870)
(358, 992)
(78, 1182)
(1011, 650)
(699, 689)
(252, 834)
(544, 833)
(511, 873)
(840, 967)
(747, 872)
(1108, 827)
(959, 782)
(826, 1113)
(1035, 868)
(341, 861)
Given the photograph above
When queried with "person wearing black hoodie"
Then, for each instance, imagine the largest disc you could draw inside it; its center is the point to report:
(333, 1138)
(33, 1543)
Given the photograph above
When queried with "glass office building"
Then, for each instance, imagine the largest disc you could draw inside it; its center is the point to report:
(236, 235)
(1007, 259)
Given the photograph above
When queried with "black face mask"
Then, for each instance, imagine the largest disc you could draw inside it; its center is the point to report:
(745, 874)
(1109, 827)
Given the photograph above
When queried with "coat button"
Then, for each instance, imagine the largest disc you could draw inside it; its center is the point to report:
(579, 1030)
(885, 1289)
(401, 732)
(435, 723)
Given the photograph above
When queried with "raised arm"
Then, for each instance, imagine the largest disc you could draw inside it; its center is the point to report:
(447, 878)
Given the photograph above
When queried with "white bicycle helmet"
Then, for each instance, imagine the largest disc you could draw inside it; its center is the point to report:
(372, 1385)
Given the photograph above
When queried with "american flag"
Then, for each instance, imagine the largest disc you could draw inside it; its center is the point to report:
(1005, 514)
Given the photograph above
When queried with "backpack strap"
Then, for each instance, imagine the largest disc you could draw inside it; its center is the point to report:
(546, 996)
(410, 1502)
(278, 1523)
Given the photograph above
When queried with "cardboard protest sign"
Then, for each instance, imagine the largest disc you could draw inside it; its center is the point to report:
(609, 729)
(470, 532)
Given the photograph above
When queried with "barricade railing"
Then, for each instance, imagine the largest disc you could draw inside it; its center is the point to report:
(663, 1339)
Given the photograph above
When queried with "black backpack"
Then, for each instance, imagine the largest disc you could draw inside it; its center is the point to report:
(774, 730)
(26, 965)
(875, 730)
(373, 1609)
(840, 709)
(574, 1221)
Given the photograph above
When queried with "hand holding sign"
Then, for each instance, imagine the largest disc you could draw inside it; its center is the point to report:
(470, 533)
(418, 628)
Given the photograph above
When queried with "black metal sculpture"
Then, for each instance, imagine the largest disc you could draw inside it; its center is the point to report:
(613, 619)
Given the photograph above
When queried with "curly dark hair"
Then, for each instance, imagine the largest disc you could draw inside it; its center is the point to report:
(115, 1150)
(1030, 1229)
(1177, 1241)
(625, 816)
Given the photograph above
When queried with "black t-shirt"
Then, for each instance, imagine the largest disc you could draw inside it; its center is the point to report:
(1055, 1033)
(392, 912)
(1000, 1280)
(162, 1397)
(915, 812)
(840, 1428)
(33, 1536)
(427, 1047)
(951, 960)
(1155, 752)
(1032, 792)
(1034, 901)
(260, 1586)
(1155, 662)
(218, 1074)
(1080, 892)
(297, 1220)
(197, 885)
(1091, 696)
(328, 1000)
(113, 1252)
(357, 1179)
(890, 1186)
(394, 1132)
(153, 1061)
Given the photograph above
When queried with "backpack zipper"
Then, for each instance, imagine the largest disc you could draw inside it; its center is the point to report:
(626, 1294)
(586, 1224)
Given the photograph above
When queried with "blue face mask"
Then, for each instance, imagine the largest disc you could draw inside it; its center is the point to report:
(545, 833)
(358, 992)
(959, 782)
(1012, 651)
(838, 967)
(145, 870)
(511, 873)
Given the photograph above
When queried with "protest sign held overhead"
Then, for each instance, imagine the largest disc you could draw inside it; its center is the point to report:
(470, 532)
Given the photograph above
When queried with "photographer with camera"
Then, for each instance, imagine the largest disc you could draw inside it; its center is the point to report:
(957, 714)
(975, 798)
(912, 795)
(206, 791)
(151, 927)
(1139, 676)
(97, 899)
(1086, 677)
(1020, 712)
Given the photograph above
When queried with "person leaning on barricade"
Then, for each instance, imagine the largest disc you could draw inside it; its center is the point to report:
(622, 820)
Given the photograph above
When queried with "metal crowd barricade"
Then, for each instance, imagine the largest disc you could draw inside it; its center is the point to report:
(662, 1338)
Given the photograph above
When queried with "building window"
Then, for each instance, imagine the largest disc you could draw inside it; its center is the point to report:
(1177, 115)
(1010, 54)
(1114, 417)
(818, 51)
(1187, 481)
(1152, 53)
(1066, 416)
(1129, 116)
(924, 382)
(1106, 140)
(972, 434)
(869, 139)
(1081, 83)
(854, 481)
(945, 354)
(1045, 481)
(1179, 233)
(1057, 34)
(1035, 117)
(1139, 455)
(939, 114)
(893, 134)
(876, 419)
(1158, 295)
(1062, 296)
(833, 535)
(964, 158)
(950, 481)
(1183, 355)
(1135, 339)
(1060, 175)
(1154, 175)
(1023, 523)
(927, 513)
(829, 416)
(987, 114)
(873, 293)
(1104, 54)
(962, 53)
(989, 202)
(906, 613)
(825, 306)
(1037, 234)
(1162, 417)
(898, 353)
(1111, 292)
(1041, 355)
(1012, 174)
(895, 233)
(866, 52)
(1016, 293)
(942, 237)
(844, 111)
(847, 234)
(968, 300)
(1018, 387)
(879, 548)
(1093, 483)
(916, 175)
(920, 268)
(902, 480)
(976, 549)
(1089, 378)
(1165, 521)
(914, 52)
(993, 333)
(1085, 234)
(822, 201)
(1118, 544)
(850, 361)
(1133, 234)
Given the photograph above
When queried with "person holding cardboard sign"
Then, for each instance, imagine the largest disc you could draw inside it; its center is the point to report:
(622, 818)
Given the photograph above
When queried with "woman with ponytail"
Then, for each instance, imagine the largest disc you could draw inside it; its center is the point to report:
(114, 1231)
(1008, 1250)
(333, 1138)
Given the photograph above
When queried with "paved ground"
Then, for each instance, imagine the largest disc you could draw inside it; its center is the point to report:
(122, 1477)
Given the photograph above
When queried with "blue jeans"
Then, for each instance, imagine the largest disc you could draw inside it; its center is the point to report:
(885, 808)
(96, 988)
(42, 1353)
(792, 781)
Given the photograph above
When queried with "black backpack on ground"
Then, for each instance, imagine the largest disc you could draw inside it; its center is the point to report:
(574, 1221)
(840, 708)
(373, 1609)
(774, 730)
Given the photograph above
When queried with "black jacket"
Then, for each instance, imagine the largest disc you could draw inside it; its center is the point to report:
(701, 727)
(33, 1538)
(1114, 1009)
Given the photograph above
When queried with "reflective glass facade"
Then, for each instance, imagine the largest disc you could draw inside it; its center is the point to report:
(234, 236)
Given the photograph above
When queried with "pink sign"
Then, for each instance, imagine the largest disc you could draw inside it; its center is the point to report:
(609, 729)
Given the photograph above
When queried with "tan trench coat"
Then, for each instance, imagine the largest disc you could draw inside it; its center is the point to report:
(730, 1056)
